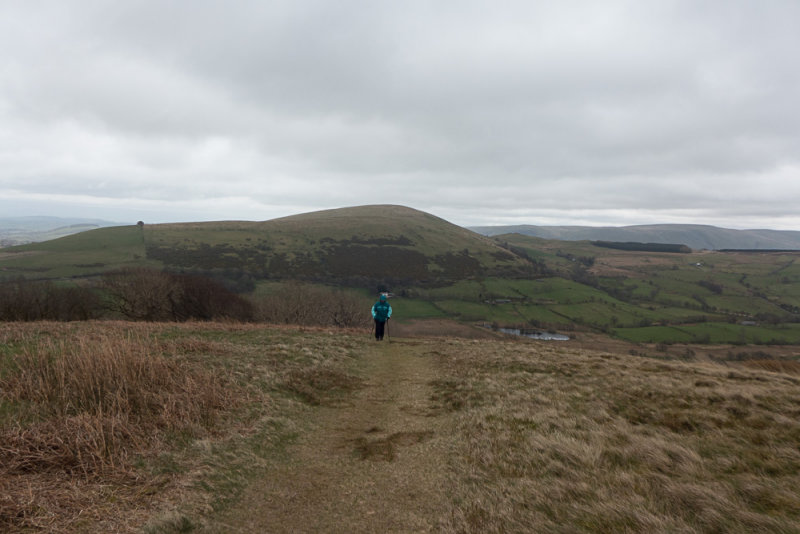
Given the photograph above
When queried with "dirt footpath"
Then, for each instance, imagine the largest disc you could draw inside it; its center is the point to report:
(374, 462)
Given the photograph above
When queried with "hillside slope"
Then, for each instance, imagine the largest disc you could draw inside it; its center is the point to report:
(22, 230)
(85, 254)
(374, 242)
(341, 245)
(694, 236)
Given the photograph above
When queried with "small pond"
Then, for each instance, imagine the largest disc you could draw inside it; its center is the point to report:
(534, 334)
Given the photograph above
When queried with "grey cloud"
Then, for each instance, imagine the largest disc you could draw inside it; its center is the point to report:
(464, 106)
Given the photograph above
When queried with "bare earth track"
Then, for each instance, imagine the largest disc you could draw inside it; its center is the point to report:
(374, 461)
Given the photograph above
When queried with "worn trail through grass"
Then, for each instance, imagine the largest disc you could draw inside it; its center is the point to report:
(374, 460)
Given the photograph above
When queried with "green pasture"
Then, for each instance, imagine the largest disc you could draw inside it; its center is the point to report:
(778, 286)
(566, 291)
(788, 300)
(639, 290)
(680, 315)
(404, 309)
(505, 288)
(532, 313)
(597, 314)
(114, 238)
(501, 288)
(790, 272)
(467, 290)
(671, 283)
(677, 300)
(83, 254)
(471, 311)
(713, 333)
(743, 305)
(654, 334)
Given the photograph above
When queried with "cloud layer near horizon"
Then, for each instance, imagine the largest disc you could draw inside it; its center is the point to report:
(611, 112)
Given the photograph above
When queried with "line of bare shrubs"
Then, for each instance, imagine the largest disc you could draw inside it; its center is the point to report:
(86, 405)
(143, 294)
(138, 294)
(308, 305)
(22, 300)
(148, 295)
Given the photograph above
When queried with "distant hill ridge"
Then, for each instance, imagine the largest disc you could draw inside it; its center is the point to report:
(695, 236)
(34, 229)
(370, 242)
(357, 245)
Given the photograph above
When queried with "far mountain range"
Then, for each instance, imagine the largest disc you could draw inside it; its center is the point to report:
(20, 230)
(695, 236)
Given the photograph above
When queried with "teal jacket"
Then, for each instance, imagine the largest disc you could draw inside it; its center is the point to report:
(381, 310)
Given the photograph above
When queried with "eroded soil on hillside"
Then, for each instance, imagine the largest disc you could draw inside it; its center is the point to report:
(374, 460)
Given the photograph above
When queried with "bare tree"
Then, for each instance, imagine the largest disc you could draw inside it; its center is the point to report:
(302, 304)
(150, 295)
(140, 294)
(24, 300)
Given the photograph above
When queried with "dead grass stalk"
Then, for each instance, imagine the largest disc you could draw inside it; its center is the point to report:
(86, 406)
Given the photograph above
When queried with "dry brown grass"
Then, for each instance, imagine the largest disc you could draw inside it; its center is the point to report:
(94, 400)
(776, 366)
(557, 440)
(102, 424)
(80, 406)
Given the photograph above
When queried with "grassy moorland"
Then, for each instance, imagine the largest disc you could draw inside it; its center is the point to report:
(85, 254)
(557, 440)
(439, 270)
(336, 246)
(117, 426)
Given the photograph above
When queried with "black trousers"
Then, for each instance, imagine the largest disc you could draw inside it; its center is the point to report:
(379, 329)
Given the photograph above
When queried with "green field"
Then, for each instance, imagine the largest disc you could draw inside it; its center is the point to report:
(405, 309)
(84, 254)
(715, 333)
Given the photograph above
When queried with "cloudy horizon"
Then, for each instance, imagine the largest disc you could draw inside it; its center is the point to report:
(604, 113)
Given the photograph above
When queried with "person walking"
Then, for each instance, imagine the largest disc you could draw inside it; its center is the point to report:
(381, 312)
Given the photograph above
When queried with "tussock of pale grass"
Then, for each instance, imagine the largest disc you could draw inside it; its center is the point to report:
(106, 397)
(103, 423)
(776, 366)
(38, 503)
(576, 441)
(87, 405)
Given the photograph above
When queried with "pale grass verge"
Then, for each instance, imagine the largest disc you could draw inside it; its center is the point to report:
(558, 440)
(777, 366)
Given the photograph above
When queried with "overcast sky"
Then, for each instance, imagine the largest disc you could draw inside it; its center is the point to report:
(481, 112)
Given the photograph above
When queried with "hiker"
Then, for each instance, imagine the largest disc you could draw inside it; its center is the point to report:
(381, 311)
